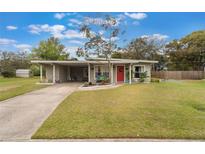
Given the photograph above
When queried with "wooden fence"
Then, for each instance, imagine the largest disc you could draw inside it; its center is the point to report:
(179, 75)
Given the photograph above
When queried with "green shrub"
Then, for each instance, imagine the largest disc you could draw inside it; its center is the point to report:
(35, 70)
(8, 73)
(87, 84)
(143, 76)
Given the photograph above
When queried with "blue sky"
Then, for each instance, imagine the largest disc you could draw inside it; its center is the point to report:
(22, 31)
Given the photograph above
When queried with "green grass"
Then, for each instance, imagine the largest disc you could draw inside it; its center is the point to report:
(11, 87)
(174, 110)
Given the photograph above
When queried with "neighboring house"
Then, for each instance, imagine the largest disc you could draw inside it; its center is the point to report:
(95, 70)
(24, 73)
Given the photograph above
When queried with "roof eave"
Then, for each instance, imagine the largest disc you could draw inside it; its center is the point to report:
(91, 62)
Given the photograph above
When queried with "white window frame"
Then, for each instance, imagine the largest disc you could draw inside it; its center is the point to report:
(95, 69)
(140, 72)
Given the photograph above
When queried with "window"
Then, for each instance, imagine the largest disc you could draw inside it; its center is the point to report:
(101, 72)
(138, 70)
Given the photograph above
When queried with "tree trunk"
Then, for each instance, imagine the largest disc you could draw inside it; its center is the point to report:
(109, 68)
(108, 58)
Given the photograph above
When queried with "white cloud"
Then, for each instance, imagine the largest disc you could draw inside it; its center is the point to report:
(55, 30)
(73, 34)
(59, 16)
(5, 41)
(58, 31)
(101, 32)
(112, 39)
(95, 21)
(137, 16)
(121, 17)
(75, 21)
(13, 43)
(75, 42)
(34, 29)
(159, 37)
(10, 27)
(101, 21)
(23, 47)
(71, 50)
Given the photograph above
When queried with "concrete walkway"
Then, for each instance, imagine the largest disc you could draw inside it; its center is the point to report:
(100, 87)
(21, 116)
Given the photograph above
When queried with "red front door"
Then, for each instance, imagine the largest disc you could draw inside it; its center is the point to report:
(120, 73)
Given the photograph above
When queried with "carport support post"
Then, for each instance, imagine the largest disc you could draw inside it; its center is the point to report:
(54, 73)
(41, 73)
(88, 72)
(111, 75)
(130, 74)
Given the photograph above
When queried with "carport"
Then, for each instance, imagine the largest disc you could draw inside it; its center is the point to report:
(64, 71)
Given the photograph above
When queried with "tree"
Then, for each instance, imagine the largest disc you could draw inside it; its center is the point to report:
(176, 56)
(117, 54)
(146, 48)
(187, 53)
(10, 61)
(101, 39)
(50, 49)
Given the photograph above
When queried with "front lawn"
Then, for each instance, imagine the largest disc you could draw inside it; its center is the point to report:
(11, 87)
(156, 110)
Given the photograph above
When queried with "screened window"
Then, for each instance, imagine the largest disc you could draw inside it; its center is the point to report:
(101, 73)
(138, 70)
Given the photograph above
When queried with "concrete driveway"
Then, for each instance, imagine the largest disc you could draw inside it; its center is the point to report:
(21, 116)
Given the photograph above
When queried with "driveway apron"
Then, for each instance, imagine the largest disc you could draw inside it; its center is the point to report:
(21, 116)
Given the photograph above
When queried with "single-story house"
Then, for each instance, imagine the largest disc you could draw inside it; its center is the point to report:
(94, 69)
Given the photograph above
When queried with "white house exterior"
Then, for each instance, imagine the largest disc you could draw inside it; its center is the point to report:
(92, 70)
